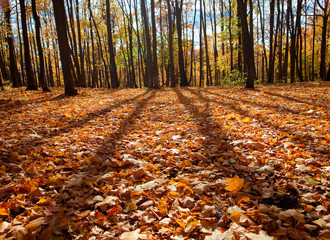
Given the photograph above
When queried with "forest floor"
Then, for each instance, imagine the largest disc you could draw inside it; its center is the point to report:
(176, 163)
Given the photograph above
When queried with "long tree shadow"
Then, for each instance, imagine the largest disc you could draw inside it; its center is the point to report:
(296, 99)
(254, 103)
(87, 175)
(213, 132)
(74, 124)
(6, 104)
(126, 124)
(303, 138)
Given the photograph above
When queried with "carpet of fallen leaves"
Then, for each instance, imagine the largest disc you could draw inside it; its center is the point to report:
(176, 163)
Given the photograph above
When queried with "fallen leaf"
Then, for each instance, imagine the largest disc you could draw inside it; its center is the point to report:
(234, 184)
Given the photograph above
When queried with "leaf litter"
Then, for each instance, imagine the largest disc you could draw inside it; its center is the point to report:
(180, 163)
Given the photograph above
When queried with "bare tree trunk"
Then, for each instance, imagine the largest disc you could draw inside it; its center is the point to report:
(170, 44)
(231, 39)
(81, 53)
(183, 76)
(149, 62)
(113, 68)
(61, 28)
(208, 68)
(42, 80)
(247, 44)
(21, 58)
(31, 81)
(100, 48)
(155, 73)
(324, 37)
(192, 60)
(201, 75)
(271, 39)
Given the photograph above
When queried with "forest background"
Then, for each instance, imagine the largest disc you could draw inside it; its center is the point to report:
(132, 43)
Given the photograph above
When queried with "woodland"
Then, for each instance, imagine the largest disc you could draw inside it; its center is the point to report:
(174, 119)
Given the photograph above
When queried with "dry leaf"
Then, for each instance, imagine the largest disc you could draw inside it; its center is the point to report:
(234, 184)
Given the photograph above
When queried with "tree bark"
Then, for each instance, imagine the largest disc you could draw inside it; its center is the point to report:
(170, 45)
(247, 44)
(14, 75)
(61, 28)
(324, 37)
(155, 73)
(81, 54)
(113, 68)
(31, 81)
(149, 62)
(42, 80)
(178, 11)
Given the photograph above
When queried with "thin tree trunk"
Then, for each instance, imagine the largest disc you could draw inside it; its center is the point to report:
(42, 80)
(149, 62)
(31, 81)
(271, 39)
(247, 44)
(192, 54)
(201, 75)
(100, 48)
(208, 68)
(155, 74)
(324, 37)
(81, 53)
(170, 44)
(113, 68)
(61, 28)
(231, 39)
(183, 76)
(313, 42)
(20, 44)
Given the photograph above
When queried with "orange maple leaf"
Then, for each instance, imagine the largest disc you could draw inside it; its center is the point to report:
(234, 184)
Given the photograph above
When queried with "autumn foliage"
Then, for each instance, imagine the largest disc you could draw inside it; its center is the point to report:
(179, 163)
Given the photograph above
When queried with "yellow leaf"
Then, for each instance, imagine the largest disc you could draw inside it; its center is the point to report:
(31, 170)
(235, 216)
(173, 194)
(245, 120)
(180, 222)
(43, 200)
(234, 184)
(72, 227)
(194, 223)
(309, 208)
(4, 211)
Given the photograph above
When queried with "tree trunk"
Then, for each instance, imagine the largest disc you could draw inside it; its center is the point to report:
(231, 40)
(271, 39)
(201, 75)
(31, 81)
(293, 44)
(81, 54)
(14, 75)
(170, 45)
(328, 74)
(324, 37)
(42, 80)
(149, 62)
(61, 28)
(247, 44)
(100, 48)
(155, 74)
(3, 67)
(208, 68)
(113, 68)
(183, 76)
(21, 58)
(192, 54)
